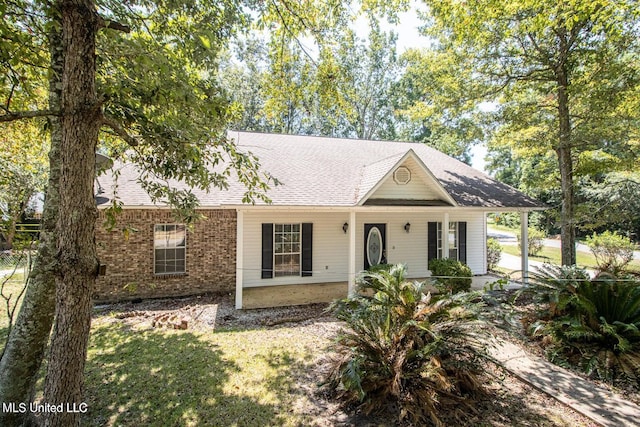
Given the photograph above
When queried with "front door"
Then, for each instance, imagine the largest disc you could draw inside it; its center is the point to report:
(375, 245)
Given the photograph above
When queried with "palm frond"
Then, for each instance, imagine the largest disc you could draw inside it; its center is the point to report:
(595, 321)
(405, 346)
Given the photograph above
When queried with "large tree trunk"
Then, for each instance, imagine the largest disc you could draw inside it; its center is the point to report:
(567, 220)
(77, 261)
(29, 336)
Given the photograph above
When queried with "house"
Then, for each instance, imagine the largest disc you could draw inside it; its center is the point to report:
(342, 206)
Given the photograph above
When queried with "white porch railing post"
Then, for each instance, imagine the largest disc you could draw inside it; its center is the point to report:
(445, 235)
(524, 245)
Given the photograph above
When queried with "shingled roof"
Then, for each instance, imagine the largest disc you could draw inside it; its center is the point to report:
(322, 171)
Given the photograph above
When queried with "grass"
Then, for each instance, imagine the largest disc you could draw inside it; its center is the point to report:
(136, 375)
(164, 377)
(499, 227)
(158, 377)
(553, 255)
(11, 289)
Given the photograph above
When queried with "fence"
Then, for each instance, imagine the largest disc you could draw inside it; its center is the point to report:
(18, 260)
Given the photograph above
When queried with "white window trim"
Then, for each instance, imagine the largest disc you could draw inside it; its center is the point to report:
(175, 273)
(299, 253)
(439, 243)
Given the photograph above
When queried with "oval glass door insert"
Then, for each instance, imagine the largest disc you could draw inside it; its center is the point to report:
(374, 246)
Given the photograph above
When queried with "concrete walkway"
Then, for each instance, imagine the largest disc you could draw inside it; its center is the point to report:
(596, 403)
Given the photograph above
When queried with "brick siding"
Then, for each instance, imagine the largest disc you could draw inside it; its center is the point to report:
(210, 256)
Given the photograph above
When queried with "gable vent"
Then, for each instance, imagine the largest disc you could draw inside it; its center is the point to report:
(402, 175)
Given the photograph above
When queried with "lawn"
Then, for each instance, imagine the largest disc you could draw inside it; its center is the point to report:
(12, 286)
(552, 255)
(248, 368)
(139, 375)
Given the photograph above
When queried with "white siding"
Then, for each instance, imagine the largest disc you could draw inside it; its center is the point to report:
(411, 248)
(421, 186)
(402, 247)
(330, 243)
(476, 239)
(330, 247)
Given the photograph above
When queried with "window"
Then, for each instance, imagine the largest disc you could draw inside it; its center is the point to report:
(453, 240)
(457, 239)
(286, 250)
(169, 244)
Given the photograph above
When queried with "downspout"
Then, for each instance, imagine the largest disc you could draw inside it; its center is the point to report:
(352, 254)
(239, 257)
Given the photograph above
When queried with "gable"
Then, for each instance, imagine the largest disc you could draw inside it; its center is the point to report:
(408, 182)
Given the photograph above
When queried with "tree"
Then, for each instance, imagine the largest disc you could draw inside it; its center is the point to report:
(612, 202)
(433, 105)
(363, 76)
(288, 89)
(563, 74)
(243, 71)
(27, 343)
(341, 86)
(76, 115)
(77, 262)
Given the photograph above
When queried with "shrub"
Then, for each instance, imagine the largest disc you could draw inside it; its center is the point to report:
(451, 275)
(590, 323)
(535, 241)
(405, 349)
(612, 251)
(494, 253)
(380, 267)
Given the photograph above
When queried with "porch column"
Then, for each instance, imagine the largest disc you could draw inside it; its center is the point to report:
(239, 257)
(524, 245)
(352, 254)
(445, 235)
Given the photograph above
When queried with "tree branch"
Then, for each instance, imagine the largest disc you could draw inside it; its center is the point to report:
(113, 25)
(120, 131)
(19, 115)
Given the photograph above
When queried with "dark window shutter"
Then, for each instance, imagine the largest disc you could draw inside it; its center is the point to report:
(432, 241)
(267, 251)
(462, 242)
(307, 249)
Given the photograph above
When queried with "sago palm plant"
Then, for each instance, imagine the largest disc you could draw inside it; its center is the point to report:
(594, 323)
(406, 348)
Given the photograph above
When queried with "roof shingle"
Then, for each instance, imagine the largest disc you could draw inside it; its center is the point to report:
(322, 171)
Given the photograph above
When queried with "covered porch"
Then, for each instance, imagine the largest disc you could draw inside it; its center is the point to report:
(340, 248)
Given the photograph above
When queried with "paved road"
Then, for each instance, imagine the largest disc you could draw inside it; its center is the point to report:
(512, 262)
(8, 272)
(509, 238)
